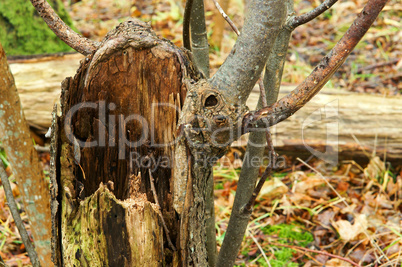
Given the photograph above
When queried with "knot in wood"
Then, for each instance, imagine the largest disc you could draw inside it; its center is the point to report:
(210, 122)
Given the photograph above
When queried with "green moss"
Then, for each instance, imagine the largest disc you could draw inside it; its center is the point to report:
(23, 32)
(287, 234)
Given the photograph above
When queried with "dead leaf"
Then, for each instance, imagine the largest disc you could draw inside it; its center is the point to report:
(337, 263)
(272, 189)
(349, 232)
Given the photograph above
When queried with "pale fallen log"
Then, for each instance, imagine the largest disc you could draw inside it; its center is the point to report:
(337, 125)
(38, 81)
(350, 123)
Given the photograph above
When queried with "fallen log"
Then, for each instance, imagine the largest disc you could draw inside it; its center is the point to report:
(336, 123)
(38, 81)
(340, 125)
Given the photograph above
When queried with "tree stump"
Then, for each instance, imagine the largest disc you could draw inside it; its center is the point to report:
(118, 125)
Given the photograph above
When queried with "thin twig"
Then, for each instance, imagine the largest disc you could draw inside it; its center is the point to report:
(76, 41)
(151, 179)
(302, 249)
(378, 65)
(260, 248)
(186, 24)
(17, 218)
(235, 29)
(302, 19)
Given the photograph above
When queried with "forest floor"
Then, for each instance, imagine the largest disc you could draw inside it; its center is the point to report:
(308, 214)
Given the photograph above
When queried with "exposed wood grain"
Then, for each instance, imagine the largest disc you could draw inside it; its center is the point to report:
(134, 84)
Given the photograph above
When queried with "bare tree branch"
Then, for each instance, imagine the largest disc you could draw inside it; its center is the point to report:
(291, 103)
(232, 25)
(268, 171)
(270, 145)
(302, 19)
(186, 24)
(249, 172)
(79, 43)
(218, 25)
(241, 69)
(17, 218)
(199, 39)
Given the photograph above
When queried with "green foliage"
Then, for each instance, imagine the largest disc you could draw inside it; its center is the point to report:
(23, 32)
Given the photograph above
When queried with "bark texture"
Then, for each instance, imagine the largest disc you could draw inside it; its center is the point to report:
(14, 135)
(241, 69)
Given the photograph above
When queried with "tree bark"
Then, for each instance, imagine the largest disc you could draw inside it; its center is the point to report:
(14, 135)
(119, 119)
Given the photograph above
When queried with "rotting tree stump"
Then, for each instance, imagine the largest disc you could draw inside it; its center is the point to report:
(119, 120)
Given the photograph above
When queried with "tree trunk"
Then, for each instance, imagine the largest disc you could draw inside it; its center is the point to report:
(118, 125)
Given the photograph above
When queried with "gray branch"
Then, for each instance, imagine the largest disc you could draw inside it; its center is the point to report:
(255, 149)
(186, 24)
(17, 218)
(241, 70)
(199, 40)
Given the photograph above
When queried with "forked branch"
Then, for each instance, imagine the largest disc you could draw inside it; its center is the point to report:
(291, 103)
(79, 43)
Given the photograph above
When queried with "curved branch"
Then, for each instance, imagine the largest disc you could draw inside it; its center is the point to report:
(79, 43)
(199, 38)
(241, 69)
(291, 103)
(186, 24)
(302, 19)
